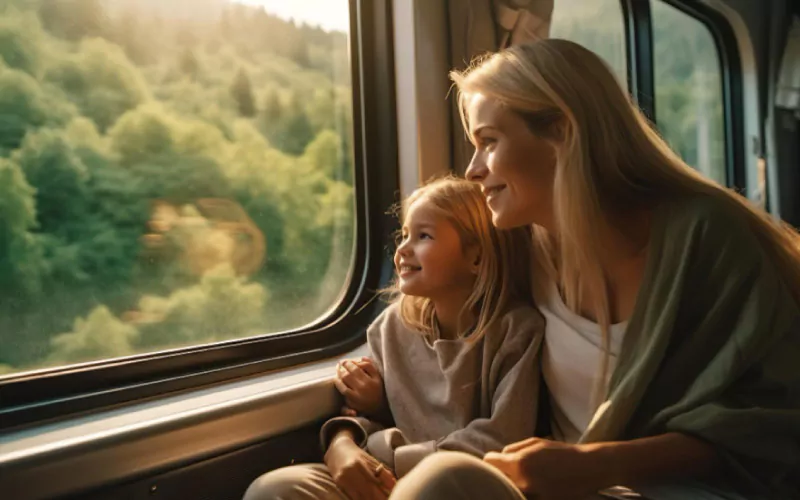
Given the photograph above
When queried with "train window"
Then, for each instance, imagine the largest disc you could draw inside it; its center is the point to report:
(170, 175)
(688, 89)
(595, 24)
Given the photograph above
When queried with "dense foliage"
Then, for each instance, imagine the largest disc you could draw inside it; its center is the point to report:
(168, 176)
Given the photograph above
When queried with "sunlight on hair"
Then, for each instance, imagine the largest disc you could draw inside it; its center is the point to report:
(610, 160)
(504, 273)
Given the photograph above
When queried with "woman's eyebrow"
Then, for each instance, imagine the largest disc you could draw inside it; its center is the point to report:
(481, 128)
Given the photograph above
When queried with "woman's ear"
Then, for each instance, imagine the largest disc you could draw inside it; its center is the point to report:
(474, 257)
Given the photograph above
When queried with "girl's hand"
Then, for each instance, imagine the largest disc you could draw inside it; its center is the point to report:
(361, 385)
(359, 475)
(551, 469)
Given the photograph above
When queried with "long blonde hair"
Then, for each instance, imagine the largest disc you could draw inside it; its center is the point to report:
(609, 158)
(503, 274)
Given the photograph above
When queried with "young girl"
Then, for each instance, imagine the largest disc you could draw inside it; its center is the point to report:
(454, 358)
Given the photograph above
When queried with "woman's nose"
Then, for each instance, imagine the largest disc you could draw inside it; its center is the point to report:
(476, 171)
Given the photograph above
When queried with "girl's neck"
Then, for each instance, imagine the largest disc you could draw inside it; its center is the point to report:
(450, 315)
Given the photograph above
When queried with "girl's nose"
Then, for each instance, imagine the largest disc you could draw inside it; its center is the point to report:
(403, 248)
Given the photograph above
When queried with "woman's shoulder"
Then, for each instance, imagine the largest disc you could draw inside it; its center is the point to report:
(711, 218)
(699, 206)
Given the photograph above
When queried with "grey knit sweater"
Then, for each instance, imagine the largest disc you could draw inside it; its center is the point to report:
(458, 394)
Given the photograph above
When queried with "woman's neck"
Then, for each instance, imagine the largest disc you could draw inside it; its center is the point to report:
(622, 255)
(625, 238)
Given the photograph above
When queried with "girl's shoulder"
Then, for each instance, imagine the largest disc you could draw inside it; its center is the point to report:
(521, 320)
(388, 322)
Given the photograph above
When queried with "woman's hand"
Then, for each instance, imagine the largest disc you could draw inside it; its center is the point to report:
(362, 387)
(551, 469)
(359, 475)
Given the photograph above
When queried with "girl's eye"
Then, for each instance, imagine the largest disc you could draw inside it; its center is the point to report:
(425, 236)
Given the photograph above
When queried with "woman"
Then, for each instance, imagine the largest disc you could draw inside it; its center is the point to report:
(672, 343)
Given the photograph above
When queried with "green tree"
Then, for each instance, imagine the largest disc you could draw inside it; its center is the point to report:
(73, 19)
(198, 138)
(296, 131)
(221, 306)
(82, 132)
(324, 154)
(242, 92)
(323, 109)
(141, 134)
(258, 175)
(24, 105)
(21, 43)
(272, 112)
(100, 336)
(21, 261)
(90, 217)
(181, 179)
(101, 81)
(59, 177)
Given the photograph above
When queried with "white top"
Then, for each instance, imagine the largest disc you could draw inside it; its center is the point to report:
(571, 362)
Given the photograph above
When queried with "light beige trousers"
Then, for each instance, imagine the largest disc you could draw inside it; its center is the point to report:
(446, 476)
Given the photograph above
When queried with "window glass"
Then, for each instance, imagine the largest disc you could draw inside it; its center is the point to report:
(688, 83)
(595, 24)
(172, 173)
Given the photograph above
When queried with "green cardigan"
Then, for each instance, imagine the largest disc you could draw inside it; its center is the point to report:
(712, 349)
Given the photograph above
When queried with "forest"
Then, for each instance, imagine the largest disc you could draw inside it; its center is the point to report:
(175, 173)
(167, 178)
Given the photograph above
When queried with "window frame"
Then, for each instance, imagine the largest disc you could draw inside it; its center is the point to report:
(641, 73)
(34, 397)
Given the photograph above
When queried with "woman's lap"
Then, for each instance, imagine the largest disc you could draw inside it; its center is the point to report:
(454, 476)
(459, 476)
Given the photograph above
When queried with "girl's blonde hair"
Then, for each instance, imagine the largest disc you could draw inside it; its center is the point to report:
(609, 159)
(503, 275)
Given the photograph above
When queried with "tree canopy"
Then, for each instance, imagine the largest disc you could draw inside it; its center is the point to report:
(164, 175)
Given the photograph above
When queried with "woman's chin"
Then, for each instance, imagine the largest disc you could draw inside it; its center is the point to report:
(502, 221)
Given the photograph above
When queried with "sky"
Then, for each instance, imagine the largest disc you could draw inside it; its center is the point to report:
(328, 14)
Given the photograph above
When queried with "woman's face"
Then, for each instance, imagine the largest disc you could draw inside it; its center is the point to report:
(515, 167)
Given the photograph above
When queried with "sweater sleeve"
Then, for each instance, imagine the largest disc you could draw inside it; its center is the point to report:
(514, 400)
(746, 399)
(715, 354)
(362, 426)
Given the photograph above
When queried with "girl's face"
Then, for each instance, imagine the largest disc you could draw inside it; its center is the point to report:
(430, 260)
(515, 168)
